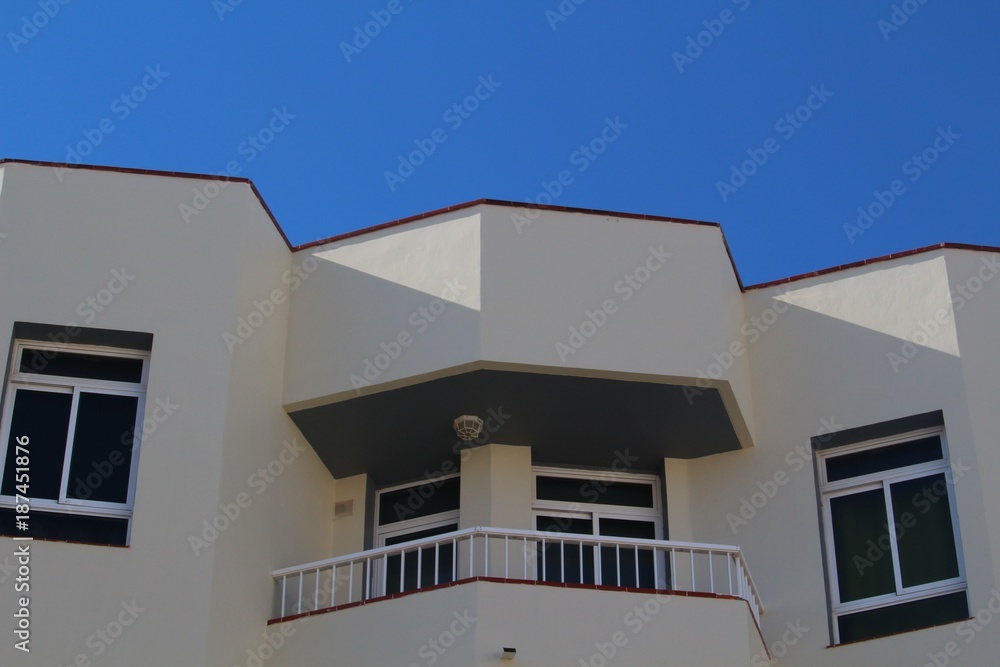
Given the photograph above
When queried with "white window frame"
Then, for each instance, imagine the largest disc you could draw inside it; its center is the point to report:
(408, 526)
(883, 480)
(417, 524)
(75, 386)
(597, 511)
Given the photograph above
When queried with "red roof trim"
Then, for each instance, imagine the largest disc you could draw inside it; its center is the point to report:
(875, 260)
(155, 172)
(510, 204)
(501, 202)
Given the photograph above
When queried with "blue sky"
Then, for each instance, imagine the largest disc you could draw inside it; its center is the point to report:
(344, 114)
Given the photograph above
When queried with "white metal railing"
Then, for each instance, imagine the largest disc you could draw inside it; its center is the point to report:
(515, 554)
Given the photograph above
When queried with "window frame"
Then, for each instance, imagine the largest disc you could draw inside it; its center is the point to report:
(595, 509)
(884, 480)
(596, 512)
(74, 386)
(416, 524)
(384, 532)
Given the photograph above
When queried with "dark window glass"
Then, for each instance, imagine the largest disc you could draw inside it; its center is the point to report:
(432, 497)
(67, 527)
(414, 577)
(862, 547)
(903, 617)
(43, 361)
(594, 491)
(870, 461)
(924, 531)
(102, 447)
(43, 416)
(565, 562)
(628, 528)
(627, 566)
(564, 524)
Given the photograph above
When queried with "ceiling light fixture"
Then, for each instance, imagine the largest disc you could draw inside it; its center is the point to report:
(468, 427)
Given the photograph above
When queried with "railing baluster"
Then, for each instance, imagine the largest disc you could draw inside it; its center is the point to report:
(673, 569)
(711, 574)
(420, 568)
(562, 561)
(301, 575)
(524, 555)
(486, 548)
(350, 583)
(618, 566)
(437, 561)
(694, 587)
(284, 586)
(506, 558)
(316, 592)
(637, 567)
(656, 573)
(729, 571)
(402, 569)
(743, 581)
(385, 574)
(581, 560)
(543, 560)
(454, 559)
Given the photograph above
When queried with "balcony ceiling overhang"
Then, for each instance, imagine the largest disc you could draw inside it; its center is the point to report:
(406, 433)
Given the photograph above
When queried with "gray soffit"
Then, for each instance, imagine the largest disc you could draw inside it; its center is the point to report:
(406, 433)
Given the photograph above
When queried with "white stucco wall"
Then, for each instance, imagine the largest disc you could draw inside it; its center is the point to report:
(974, 279)
(419, 281)
(191, 283)
(496, 487)
(824, 365)
(470, 624)
(658, 318)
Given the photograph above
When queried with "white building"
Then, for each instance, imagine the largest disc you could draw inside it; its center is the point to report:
(230, 445)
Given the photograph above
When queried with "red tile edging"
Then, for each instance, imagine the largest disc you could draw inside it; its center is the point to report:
(511, 204)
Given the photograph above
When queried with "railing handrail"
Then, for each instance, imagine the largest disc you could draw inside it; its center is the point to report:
(594, 540)
(368, 588)
(753, 587)
(590, 540)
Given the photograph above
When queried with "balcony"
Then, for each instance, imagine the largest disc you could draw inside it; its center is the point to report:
(702, 593)
(515, 556)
